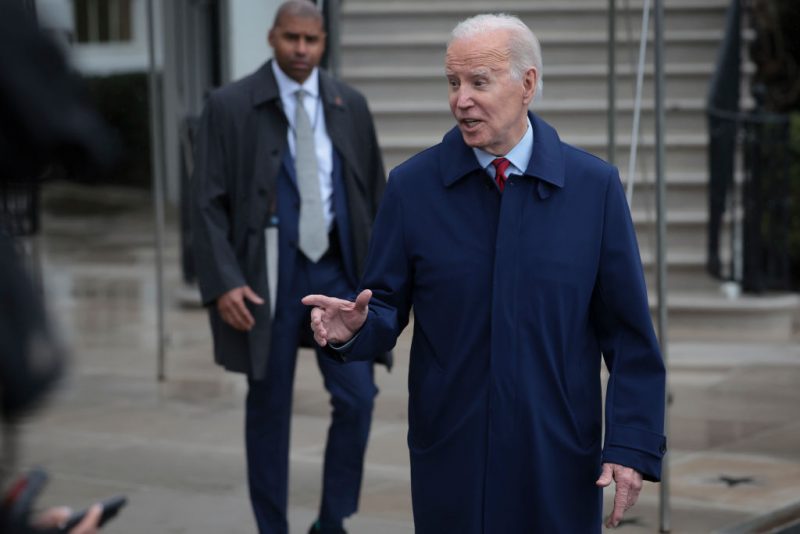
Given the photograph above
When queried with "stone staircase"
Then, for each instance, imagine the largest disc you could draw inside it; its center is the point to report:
(393, 51)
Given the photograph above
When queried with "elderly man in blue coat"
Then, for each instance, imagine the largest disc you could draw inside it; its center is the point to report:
(518, 255)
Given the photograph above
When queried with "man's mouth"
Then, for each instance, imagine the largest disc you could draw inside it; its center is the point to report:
(470, 123)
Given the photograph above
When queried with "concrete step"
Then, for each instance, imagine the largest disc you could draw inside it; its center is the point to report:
(383, 18)
(712, 316)
(393, 51)
(381, 84)
(686, 230)
(687, 153)
(562, 48)
(684, 153)
(685, 191)
(686, 272)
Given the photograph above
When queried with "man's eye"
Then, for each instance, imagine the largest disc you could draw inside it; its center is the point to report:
(452, 83)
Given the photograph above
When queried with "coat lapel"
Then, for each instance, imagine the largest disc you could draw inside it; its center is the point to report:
(270, 143)
(547, 161)
(336, 121)
(457, 159)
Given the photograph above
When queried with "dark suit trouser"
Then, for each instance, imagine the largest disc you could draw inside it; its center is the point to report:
(269, 406)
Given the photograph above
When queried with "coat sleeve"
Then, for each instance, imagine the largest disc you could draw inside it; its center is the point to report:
(389, 275)
(217, 268)
(621, 317)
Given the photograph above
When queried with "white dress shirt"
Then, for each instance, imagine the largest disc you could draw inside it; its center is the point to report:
(322, 142)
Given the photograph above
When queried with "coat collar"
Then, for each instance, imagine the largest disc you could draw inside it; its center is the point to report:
(338, 122)
(265, 88)
(547, 162)
(329, 92)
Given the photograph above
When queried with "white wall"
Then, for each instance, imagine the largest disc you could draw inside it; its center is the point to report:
(110, 58)
(248, 24)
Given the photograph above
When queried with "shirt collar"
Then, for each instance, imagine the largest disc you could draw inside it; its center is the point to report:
(519, 156)
(288, 87)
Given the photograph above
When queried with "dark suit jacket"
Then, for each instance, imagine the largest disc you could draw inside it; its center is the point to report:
(240, 145)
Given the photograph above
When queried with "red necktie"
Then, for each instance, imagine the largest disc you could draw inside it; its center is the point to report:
(500, 166)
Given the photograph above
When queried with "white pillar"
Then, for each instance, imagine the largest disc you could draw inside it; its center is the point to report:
(248, 22)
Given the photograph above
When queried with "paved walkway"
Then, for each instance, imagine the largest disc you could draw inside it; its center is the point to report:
(175, 448)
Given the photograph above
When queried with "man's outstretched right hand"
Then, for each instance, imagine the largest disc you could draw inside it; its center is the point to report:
(336, 320)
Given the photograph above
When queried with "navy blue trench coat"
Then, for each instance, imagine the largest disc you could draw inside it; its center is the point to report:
(516, 297)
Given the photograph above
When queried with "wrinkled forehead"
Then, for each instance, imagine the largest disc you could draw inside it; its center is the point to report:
(478, 53)
(488, 50)
(474, 59)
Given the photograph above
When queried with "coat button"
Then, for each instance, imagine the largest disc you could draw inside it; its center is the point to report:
(663, 448)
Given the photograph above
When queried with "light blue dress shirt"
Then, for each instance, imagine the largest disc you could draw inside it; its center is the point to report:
(519, 156)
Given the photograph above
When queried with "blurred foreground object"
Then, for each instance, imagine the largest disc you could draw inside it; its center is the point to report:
(44, 121)
(45, 117)
(45, 125)
(30, 357)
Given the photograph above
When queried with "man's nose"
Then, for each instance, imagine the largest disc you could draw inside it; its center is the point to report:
(302, 47)
(463, 98)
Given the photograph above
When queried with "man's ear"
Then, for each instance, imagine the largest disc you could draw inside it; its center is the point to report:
(529, 83)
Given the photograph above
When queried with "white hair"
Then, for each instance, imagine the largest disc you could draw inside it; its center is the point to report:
(523, 44)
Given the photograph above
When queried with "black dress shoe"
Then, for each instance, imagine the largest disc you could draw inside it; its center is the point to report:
(317, 529)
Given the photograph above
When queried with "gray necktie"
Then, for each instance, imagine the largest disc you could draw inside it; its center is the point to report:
(313, 229)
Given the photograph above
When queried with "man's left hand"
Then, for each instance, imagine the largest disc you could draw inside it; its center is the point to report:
(629, 484)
